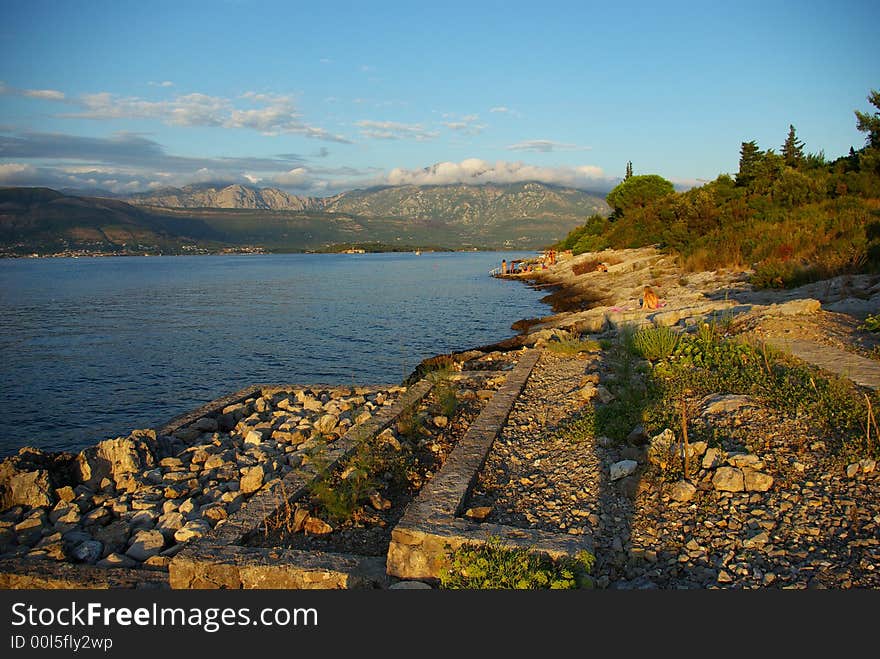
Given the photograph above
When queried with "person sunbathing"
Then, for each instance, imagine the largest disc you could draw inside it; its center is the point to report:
(650, 299)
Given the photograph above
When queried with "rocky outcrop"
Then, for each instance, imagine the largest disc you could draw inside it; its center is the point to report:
(137, 500)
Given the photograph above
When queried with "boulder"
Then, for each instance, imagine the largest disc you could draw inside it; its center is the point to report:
(251, 479)
(623, 469)
(114, 536)
(144, 544)
(206, 424)
(713, 457)
(682, 491)
(756, 481)
(88, 551)
(315, 526)
(195, 528)
(745, 460)
(118, 459)
(30, 488)
(728, 479)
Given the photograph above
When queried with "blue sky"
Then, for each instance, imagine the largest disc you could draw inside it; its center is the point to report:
(321, 97)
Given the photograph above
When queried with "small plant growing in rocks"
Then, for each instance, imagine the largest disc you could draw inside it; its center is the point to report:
(655, 343)
(572, 346)
(491, 566)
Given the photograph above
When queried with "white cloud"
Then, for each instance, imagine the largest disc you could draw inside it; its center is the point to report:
(545, 146)
(295, 178)
(273, 115)
(392, 130)
(466, 125)
(474, 170)
(499, 108)
(44, 94)
(15, 173)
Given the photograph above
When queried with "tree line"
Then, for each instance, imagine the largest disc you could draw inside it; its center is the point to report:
(790, 216)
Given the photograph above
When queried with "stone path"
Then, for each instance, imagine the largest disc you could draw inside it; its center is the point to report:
(861, 370)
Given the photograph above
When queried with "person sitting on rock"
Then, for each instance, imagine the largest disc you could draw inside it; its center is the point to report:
(650, 299)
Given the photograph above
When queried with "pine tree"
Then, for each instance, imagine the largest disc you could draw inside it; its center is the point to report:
(870, 123)
(793, 149)
(749, 159)
(629, 171)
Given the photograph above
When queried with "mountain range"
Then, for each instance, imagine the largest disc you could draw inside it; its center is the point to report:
(524, 215)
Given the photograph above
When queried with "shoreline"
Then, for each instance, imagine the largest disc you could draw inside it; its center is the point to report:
(109, 475)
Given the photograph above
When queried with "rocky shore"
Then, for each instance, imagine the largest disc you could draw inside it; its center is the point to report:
(765, 503)
(136, 501)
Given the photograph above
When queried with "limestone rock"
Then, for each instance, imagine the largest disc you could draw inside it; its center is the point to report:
(253, 437)
(195, 528)
(326, 424)
(30, 488)
(252, 479)
(728, 479)
(145, 544)
(316, 526)
(721, 403)
(660, 448)
(745, 460)
(794, 307)
(682, 491)
(114, 535)
(603, 395)
(478, 513)
(713, 457)
(623, 469)
(117, 459)
(756, 481)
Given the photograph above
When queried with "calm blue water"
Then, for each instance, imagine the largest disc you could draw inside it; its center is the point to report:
(92, 348)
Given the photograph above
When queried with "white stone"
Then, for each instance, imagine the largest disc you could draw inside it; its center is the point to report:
(623, 469)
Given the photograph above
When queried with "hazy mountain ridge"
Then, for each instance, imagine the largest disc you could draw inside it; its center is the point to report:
(230, 196)
(455, 203)
(488, 216)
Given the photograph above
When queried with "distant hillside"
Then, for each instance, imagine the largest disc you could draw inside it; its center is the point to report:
(520, 215)
(487, 204)
(47, 221)
(230, 196)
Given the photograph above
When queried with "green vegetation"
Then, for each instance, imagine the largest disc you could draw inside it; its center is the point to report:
(638, 192)
(872, 323)
(572, 346)
(707, 362)
(491, 566)
(792, 217)
(654, 343)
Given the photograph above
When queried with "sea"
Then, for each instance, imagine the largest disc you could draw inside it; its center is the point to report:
(92, 348)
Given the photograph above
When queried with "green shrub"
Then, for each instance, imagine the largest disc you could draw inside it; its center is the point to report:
(491, 566)
(871, 324)
(655, 343)
(572, 346)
